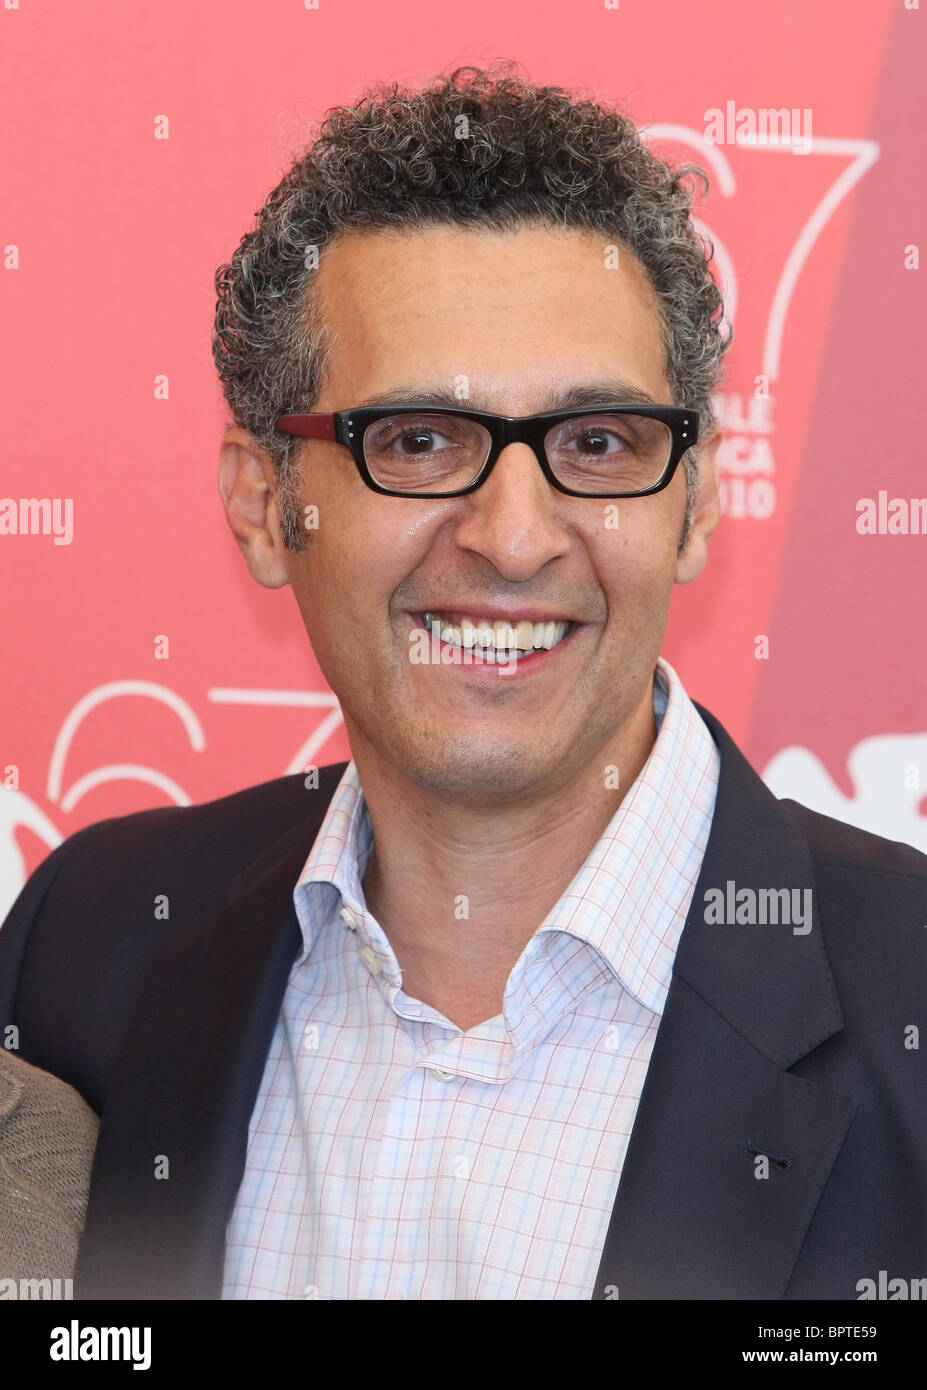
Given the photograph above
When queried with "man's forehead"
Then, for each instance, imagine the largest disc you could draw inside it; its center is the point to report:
(534, 313)
(453, 257)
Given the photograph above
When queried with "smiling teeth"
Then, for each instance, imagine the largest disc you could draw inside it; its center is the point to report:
(501, 636)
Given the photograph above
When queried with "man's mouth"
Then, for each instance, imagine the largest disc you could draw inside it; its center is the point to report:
(503, 640)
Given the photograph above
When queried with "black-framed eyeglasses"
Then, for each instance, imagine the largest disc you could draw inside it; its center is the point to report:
(444, 451)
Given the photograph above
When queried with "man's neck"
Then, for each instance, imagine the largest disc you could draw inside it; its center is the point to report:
(459, 890)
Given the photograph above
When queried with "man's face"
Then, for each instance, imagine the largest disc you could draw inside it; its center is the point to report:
(520, 318)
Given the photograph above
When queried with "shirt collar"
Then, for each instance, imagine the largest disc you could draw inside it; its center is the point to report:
(630, 898)
(628, 901)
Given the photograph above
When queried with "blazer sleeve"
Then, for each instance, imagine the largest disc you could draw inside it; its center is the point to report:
(16, 931)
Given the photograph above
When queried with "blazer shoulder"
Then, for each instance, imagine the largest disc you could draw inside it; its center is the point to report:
(81, 937)
(256, 813)
(834, 844)
(233, 827)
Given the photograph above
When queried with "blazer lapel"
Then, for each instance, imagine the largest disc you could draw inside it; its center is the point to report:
(695, 1217)
(174, 1130)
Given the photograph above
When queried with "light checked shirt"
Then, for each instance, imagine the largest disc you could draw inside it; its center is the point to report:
(391, 1155)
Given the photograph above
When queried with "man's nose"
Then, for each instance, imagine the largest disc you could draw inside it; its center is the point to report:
(513, 518)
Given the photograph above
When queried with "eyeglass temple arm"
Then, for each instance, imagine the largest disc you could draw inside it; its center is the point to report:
(320, 426)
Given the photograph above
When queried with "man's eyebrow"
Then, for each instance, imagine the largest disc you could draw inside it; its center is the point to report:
(615, 391)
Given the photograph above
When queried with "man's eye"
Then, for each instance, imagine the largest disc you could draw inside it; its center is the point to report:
(418, 437)
(599, 442)
(421, 441)
(594, 442)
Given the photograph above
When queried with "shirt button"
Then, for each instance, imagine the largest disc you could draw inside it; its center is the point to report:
(349, 919)
(370, 959)
(440, 1075)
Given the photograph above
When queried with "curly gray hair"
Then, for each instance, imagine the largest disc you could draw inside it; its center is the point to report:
(478, 149)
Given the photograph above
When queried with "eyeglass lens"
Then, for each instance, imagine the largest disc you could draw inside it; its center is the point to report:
(435, 452)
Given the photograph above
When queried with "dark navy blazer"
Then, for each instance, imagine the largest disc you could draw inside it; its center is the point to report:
(778, 1052)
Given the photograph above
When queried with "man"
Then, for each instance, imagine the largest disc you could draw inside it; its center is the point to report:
(544, 995)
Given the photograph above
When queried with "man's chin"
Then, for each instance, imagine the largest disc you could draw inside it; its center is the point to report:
(476, 770)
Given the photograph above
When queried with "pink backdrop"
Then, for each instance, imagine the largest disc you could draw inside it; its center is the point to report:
(109, 237)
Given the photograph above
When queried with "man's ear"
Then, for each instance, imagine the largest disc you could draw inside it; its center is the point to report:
(247, 486)
(706, 512)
